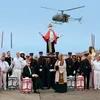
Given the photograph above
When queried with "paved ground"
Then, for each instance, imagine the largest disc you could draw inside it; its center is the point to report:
(51, 95)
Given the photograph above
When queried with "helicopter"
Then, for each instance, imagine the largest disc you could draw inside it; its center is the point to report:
(60, 18)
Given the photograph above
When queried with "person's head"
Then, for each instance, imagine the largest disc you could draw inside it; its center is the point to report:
(17, 54)
(97, 57)
(22, 54)
(79, 58)
(82, 58)
(8, 53)
(74, 56)
(4, 54)
(57, 53)
(86, 55)
(60, 56)
(40, 53)
(36, 58)
(50, 26)
(27, 56)
(31, 55)
(69, 54)
(47, 60)
(2, 58)
(28, 63)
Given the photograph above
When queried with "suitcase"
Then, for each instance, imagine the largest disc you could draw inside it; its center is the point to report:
(80, 82)
(26, 85)
(12, 83)
(70, 83)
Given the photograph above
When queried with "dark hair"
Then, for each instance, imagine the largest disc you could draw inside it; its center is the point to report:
(8, 51)
(79, 57)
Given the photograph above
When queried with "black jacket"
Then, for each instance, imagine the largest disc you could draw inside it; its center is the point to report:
(26, 72)
(85, 67)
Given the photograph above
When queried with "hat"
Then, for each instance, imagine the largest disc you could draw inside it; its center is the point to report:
(86, 54)
(50, 25)
(40, 52)
(21, 52)
(74, 54)
(69, 53)
(31, 54)
(57, 52)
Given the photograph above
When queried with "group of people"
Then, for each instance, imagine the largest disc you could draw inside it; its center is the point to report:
(49, 71)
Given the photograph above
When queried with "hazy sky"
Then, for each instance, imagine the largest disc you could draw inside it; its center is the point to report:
(25, 19)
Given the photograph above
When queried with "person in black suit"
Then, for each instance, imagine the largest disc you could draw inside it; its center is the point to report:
(29, 72)
(33, 63)
(51, 71)
(86, 70)
(42, 68)
(69, 63)
(9, 60)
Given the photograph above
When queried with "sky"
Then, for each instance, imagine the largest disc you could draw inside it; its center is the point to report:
(25, 19)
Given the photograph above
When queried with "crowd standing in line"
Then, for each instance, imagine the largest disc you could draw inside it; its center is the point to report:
(50, 71)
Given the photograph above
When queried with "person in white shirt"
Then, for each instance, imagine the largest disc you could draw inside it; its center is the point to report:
(18, 64)
(4, 68)
(96, 67)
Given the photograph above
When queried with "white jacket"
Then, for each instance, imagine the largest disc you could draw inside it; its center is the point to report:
(4, 66)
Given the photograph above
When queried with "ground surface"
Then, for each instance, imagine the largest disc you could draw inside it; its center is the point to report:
(51, 95)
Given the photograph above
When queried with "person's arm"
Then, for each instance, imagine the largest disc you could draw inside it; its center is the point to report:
(64, 65)
(7, 66)
(43, 37)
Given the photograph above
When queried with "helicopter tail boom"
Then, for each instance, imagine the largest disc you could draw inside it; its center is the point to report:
(76, 19)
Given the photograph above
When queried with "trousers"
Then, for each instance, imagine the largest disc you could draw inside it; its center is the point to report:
(17, 73)
(96, 79)
(3, 79)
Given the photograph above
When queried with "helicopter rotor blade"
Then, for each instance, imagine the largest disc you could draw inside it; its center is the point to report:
(49, 8)
(74, 8)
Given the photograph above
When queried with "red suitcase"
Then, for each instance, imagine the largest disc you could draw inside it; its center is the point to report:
(80, 82)
(26, 86)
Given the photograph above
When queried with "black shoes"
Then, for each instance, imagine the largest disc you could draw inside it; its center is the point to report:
(37, 92)
(42, 88)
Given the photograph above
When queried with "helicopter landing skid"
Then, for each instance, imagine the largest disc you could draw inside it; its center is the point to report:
(60, 23)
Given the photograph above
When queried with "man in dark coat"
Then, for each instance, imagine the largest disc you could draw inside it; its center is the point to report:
(50, 71)
(86, 70)
(42, 67)
(8, 59)
(69, 63)
(33, 63)
(29, 72)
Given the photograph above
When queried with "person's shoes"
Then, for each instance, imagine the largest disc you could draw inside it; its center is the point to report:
(42, 88)
(5, 89)
(48, 88)
(87, 88)
(95, 88)
(37, 92)
(98, 88)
